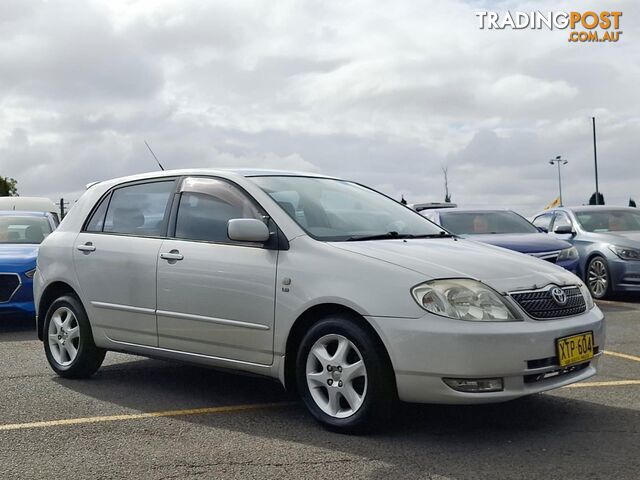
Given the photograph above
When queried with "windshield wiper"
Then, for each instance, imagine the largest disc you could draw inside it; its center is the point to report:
(396, 235)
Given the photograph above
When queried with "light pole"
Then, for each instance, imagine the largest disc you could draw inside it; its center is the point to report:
(559, 161)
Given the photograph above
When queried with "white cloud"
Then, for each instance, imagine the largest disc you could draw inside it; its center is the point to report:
(382, 93)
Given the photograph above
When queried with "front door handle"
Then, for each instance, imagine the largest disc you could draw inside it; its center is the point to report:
(87, 247)
(173, 255)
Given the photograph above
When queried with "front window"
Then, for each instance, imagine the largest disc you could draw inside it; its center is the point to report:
(337, 210)
(609, 220)
(23, 229)
(481, 223)
(206, 206)
(543, 221)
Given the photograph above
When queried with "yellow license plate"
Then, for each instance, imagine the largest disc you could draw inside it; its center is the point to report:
(574, 349)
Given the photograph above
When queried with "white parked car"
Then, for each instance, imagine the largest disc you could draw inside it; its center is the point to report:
(340, 292)
(30, 204)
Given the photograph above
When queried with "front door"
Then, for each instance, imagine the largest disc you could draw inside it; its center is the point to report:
(216, 297)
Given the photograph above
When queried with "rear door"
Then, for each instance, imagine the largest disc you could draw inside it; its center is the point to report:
(116, 256)
(216, 297)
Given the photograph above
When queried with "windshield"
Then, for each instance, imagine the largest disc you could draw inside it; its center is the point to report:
(23, 229)
(609, 220)
(479, 223)
(337, 210)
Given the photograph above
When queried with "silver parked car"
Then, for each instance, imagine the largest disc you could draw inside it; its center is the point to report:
(608, 242)
(338, 291)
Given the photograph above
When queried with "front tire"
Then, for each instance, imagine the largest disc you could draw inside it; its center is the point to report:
(598, 278)
(343, 375)
(68, 340)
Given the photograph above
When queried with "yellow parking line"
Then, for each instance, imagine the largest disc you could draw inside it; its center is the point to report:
(613, 383)
(137, 416)
(622, 355)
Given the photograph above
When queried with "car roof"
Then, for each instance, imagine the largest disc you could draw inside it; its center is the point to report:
(264, 172)
(585, 208)
(22, 213)
(222, 172)
(471, 210)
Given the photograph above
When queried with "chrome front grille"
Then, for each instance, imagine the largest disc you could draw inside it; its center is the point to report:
(9, 283)
(548, 256)
(541, 305)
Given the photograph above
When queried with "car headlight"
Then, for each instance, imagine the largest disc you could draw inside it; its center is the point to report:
(568, 254)
(586, 294)
(30, 273)
(625, 253)
(463, 299)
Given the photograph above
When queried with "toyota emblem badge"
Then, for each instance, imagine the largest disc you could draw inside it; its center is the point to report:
(559, 296)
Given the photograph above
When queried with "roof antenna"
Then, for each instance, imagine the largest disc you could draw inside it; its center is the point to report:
(154, 156)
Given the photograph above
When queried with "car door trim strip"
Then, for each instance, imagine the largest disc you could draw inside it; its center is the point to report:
(204, 319)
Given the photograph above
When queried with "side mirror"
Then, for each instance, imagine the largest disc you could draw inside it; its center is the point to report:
(247, 230)
(563, 229)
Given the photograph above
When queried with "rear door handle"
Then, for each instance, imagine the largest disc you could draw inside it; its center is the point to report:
(173, 255)
(87, 247)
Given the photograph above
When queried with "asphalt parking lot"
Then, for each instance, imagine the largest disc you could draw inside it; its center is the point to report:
(140, 418)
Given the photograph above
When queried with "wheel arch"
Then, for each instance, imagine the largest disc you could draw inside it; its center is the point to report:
(592, 254)
(49, 295)
(309, 318)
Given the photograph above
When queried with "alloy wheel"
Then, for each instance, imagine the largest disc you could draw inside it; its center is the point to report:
(336, 376)
(597, 278)
(64, 336)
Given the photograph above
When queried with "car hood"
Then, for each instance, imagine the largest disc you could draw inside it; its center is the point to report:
(12, 255)
(452, 258)
(522, 242)
(630, 239)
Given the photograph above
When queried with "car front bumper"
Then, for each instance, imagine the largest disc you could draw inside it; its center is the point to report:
(572, 265)
(423, 351)
(625, 275)
(20, 304)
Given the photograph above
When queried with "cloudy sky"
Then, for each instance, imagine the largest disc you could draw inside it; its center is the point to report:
(385, 93)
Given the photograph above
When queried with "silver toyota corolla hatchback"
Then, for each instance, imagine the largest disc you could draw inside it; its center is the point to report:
(338, 291)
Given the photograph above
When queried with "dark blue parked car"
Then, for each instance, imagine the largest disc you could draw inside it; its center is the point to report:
(20, 236)
(507, 229)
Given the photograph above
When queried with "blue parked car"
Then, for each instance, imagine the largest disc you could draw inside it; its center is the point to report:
(506, 229)
(20, 236)
(608, 241)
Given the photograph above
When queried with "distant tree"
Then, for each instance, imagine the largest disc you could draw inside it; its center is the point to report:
(447, 195)
(632, 202)
(592, 200)
(8, 187)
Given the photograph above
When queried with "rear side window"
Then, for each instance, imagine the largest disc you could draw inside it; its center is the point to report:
(139, 209)
(206, 205)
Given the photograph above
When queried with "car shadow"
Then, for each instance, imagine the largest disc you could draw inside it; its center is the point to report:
(541, 436)
(627, 297)
(17, 330)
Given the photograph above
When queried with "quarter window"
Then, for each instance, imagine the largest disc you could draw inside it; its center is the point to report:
(139, 209)
(207, 205)
(96, 222)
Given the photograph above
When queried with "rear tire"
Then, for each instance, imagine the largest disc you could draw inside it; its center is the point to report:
(598, 278)
(343, 376)
(68, 340)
